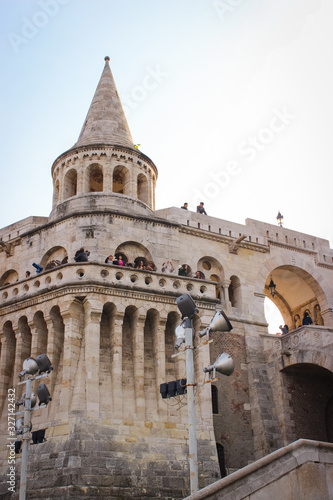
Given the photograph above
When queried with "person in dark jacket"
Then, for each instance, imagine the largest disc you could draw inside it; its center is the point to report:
(81, 255)
(200, 208)
(307, 320)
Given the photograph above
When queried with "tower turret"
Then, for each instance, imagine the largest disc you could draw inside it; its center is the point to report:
(103, 170)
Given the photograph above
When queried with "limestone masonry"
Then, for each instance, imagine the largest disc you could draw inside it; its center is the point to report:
(109, 330)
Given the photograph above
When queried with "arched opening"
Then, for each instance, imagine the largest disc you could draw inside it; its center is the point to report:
(134, 252)
(70, 184)
(105, 355)
(310, 393)
(142, 188)
(9, 277)
(150, 365)
(273, 316)
(296, 293)
(120, 180)
(215, 400)
(130, 325)
(95, 178)
(54, 257)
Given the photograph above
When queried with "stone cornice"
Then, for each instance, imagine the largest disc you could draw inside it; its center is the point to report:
(292, 247)
(77, 290)
(105, 147)
(221, 238)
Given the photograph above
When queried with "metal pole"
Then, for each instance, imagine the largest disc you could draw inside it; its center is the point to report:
(25, 439)
(192, 431)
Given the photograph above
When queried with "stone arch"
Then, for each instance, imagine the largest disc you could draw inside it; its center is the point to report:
(150, 364)
(7, 360)
(142, 188)
(57, 253)
(235, 296)
(58, 334)
(9, 277)
(121, 180)
(210, 266)
(95, 178)
(70, 183)
(40, 344)
(296, 291)
(129, 329)
(173, 320)
(134, 250)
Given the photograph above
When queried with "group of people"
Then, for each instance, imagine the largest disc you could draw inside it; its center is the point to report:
(307, 320)
(184, 270)
(200, 208)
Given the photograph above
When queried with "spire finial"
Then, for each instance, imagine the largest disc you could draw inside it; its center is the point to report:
(106, 58)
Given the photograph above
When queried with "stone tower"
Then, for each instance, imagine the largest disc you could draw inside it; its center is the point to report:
(109, 329)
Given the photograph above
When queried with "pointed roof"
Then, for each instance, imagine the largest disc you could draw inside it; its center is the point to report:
(105, 122)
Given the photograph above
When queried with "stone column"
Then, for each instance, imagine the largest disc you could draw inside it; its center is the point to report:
(80, 177)
(117, 365)
(18, 365)
(159, 355)
(51, 349)
(72, 342)
(327, 316)
(138, 358)
(225, 296)
(107, 175)
(93, 311)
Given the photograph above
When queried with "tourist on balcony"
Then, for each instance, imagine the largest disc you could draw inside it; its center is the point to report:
(167, 267)
(284, 329)
(307, 320)
(185, 206)
(81, 255)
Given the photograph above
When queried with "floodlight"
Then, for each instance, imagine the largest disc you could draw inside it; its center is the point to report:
(224, 365)
(187, 306)
(43, 394)
(30, 367)
(19, 426)
(180, 334)
(220, 323)
(44, 364)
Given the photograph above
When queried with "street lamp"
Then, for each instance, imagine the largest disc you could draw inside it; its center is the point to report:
(279, 218)
(31, 368)
(185, 334)
(272, 287)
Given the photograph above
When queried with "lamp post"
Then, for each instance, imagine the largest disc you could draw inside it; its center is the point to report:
(185, 334)
(30, 367)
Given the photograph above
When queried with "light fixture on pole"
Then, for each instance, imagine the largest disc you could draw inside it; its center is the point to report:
(224, 365)
(220, 323)
(185, 334)
(31, 367)
(279, 218)
(272, 287)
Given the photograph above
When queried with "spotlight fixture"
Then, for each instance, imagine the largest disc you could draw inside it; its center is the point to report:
(220, 323)
(224, 365)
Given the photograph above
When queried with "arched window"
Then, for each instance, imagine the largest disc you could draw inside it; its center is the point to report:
(70, 184)
(142, 188)
(9, 277)
(120, 180)
(215, 400)
(95, 178)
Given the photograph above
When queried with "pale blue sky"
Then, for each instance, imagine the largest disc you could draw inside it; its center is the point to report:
(222, 74)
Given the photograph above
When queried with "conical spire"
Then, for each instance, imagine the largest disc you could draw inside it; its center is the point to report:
(105, 122)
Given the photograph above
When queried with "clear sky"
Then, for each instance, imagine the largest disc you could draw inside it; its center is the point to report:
(231, 99)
